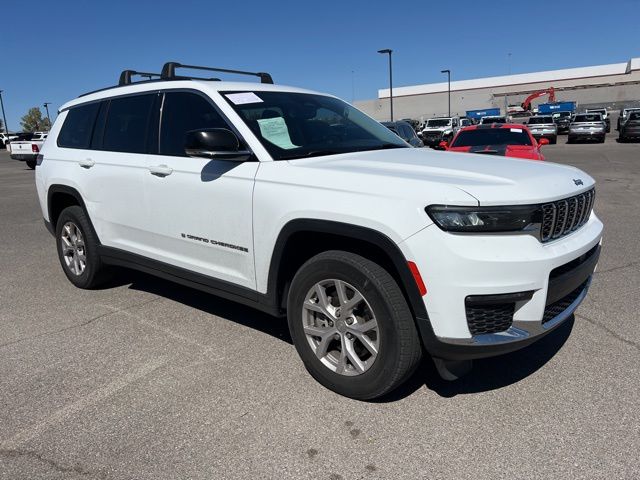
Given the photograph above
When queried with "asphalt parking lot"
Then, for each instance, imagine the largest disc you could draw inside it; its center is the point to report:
(149, 380)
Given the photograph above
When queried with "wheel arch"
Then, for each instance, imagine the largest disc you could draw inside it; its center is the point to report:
(60, 197)
(300, 239)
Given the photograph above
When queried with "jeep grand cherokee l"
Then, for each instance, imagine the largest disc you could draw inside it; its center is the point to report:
(298, 204)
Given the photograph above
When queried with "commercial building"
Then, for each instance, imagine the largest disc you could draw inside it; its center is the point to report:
(614, 85)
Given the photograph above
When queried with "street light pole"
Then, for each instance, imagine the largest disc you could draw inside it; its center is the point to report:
(389, 51)
(448, 72)
(6, 127)
(46, 106)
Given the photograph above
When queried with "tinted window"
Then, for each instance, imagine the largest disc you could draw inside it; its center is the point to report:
(588, 117)
(77, 127)
(492, 136)
(634, 116)
(182, 112)
(408, 132)
(126, 126)
(534, 120)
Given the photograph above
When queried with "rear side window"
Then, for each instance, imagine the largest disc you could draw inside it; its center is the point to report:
(182, 112)
(126, 126)
(77, 127)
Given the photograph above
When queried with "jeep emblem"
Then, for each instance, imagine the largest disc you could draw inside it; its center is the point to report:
(577, 181)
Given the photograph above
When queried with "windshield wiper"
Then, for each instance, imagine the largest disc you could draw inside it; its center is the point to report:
(312, 153)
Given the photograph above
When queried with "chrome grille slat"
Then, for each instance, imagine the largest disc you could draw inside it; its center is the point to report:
(564, 216)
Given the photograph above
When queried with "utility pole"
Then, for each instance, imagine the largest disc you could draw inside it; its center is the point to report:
(389, 52)
(46, 106)
(6, 127)
(448, 72)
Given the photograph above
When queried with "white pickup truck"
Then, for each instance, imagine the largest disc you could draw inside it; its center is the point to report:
(27, 147)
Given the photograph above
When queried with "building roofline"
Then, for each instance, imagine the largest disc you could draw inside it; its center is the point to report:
(518, 79)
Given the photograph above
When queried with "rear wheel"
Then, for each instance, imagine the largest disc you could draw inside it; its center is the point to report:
(351, 325)
(553, 140)
(78, 249)
(31, 164)
(570, 139)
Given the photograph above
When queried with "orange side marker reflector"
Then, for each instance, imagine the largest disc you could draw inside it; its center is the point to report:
(418, 278)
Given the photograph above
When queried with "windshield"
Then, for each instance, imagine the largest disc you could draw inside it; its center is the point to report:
(487, 120)
(634, 115)
(439, 122)
(296, 125)
(561, 114)
(534, 120)
(591, 117)
(596, 110)
(493, 136)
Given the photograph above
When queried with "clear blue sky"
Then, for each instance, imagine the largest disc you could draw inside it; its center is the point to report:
(64, 48)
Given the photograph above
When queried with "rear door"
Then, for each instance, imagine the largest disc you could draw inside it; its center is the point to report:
(200, 209)
(115, 169)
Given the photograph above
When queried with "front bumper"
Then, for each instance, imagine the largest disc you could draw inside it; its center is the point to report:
(24, 156)
(544, 133)
(456, 267)
(432, 139)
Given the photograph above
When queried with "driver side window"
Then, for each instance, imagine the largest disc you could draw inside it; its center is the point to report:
(182, 112)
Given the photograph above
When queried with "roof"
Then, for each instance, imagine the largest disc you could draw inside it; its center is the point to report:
(494, 125)
(523, 78)
(155, 85)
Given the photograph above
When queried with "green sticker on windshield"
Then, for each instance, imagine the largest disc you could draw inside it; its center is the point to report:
(275, 131)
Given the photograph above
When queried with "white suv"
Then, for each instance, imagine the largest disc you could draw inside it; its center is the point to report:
(298, 204)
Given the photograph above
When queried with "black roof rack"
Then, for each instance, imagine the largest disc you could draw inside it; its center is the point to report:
(169, 72)
(125, 76)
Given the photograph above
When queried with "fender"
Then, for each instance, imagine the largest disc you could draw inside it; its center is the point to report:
(380, 240)
(59, 188)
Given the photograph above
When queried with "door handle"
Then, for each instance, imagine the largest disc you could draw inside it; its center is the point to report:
(87, 163)
(160, 170)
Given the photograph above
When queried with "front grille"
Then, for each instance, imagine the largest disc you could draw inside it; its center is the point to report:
(556, 308)
(564, 216)
(489, 318)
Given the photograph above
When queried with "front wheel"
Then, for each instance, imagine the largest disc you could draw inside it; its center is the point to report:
(351, 325)
(553, 140)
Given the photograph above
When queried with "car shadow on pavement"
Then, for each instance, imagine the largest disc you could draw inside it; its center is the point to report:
(205, 302)
(489, 373)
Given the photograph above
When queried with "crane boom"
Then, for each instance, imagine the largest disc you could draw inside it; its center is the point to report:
(526, 105)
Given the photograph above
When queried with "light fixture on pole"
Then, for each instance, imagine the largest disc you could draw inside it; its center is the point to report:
(389, 51)
(46, 106)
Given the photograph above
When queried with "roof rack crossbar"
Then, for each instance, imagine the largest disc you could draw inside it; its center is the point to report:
(169, 72)
(125, 76)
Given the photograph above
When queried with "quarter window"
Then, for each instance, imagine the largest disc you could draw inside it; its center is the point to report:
(126, 126)
(182, 112)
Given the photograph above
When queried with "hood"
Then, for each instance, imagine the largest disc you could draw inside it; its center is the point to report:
(515, 151)
(443, 177)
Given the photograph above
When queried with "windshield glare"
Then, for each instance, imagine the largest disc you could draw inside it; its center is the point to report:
(439, 122)
(296, 125)
(493, 136)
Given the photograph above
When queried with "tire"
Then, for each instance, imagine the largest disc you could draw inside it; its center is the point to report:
(31, 164)
(602, 139)
(553, 140)
(85, 246)
(570, 139)
(394, 337)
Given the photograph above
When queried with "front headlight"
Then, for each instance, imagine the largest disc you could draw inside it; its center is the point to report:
(485, 219)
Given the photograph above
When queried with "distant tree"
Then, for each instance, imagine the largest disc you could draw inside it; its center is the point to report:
(33, 121)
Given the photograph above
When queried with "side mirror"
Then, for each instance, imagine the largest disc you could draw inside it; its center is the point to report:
(443, 144)
(215, 143)
(543, 141)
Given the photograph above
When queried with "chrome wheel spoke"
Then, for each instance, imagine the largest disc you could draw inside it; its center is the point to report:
(353, 301)
(73, 248)
(353, 357)
(360, 328)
